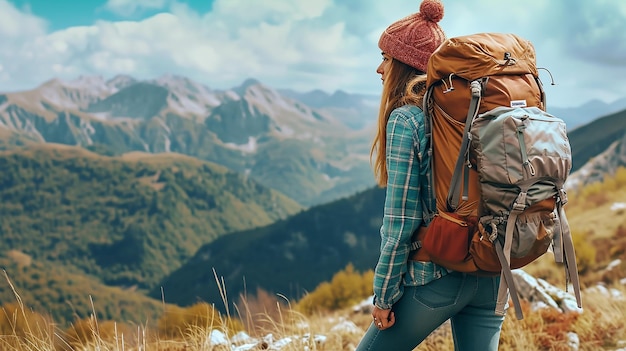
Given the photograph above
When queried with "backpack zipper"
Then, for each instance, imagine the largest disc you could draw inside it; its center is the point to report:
(522, 143)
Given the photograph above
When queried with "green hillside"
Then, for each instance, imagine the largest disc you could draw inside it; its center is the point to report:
(290, 257)
(124, 221)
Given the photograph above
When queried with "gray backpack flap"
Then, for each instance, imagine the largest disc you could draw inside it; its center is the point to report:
(523, 158)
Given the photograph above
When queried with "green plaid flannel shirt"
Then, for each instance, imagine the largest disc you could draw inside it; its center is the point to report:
(408, 193)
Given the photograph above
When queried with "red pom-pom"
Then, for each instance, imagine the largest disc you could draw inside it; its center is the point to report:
(432, 10)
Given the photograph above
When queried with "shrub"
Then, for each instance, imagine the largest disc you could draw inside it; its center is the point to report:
(177, 322)
(89, 331)
(585, 252)
(346, 288)
(620, 177)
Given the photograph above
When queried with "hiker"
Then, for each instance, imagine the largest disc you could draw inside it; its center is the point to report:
(414, 296)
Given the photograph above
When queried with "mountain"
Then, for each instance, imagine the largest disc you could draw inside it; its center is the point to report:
(291, 256)
(146, 99)
(597, 168)
(323, 157)
(594, 138)
(358, 111)
(128, 221)
(575, 117)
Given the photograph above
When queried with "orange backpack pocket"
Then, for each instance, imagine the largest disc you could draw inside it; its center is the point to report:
(448, 237)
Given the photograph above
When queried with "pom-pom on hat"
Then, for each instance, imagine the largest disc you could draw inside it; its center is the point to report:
(415, 37)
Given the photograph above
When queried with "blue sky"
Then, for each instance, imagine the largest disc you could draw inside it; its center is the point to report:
(61, 14)
(298, 44)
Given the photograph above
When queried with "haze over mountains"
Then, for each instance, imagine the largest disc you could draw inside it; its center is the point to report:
(578, 116)
(147, 185)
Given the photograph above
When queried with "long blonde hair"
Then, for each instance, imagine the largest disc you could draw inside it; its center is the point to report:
(403, 85)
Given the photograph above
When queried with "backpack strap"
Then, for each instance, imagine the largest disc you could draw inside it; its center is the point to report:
(428, 134)
(507, 284)
(455, 183)
(427, 214)
(569, 255)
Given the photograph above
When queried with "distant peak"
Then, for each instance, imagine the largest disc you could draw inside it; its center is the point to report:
(319, 92)
(121, 78)
(182, 84)
(82, 82)
(246, 85)
(170, 77)
(249, 82)
(120, 81)
(52, 82)
(88, 79)
(340, 93)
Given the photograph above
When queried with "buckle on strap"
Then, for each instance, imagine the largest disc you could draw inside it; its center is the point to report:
(520, 202)
(518, 207)
(416, 245)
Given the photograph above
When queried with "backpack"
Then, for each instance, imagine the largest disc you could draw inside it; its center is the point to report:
(518, 153)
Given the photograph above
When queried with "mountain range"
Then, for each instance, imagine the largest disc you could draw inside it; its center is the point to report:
(578, 116)
(313, 155)
(142, 187)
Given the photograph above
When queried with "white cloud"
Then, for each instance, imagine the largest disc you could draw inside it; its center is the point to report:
(15, 23)
(130, 7)
(308, 45)
(599, 34)
(272, 11)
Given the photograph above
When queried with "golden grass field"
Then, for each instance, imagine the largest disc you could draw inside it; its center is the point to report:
(602, 326)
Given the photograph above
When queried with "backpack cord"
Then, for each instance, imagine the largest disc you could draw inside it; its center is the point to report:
(455, 183)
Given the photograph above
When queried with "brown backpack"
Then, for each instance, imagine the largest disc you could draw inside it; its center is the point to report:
(499, 162)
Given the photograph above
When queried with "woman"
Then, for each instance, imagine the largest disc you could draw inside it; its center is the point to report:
(412, 295)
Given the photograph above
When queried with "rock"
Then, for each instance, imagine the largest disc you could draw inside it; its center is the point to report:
(540, 293)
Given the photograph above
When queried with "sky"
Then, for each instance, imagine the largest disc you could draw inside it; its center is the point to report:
(302, 45)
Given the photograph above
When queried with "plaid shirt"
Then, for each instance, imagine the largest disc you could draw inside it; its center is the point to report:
(408, 202)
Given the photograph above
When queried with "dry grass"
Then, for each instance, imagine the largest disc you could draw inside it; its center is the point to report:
(593, 214)
(602, 326)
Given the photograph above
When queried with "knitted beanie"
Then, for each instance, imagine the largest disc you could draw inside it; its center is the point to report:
(415, 37)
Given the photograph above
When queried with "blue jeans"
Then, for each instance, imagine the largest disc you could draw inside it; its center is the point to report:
(469, 302)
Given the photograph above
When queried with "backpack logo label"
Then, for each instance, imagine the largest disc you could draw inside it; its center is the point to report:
(518, 103)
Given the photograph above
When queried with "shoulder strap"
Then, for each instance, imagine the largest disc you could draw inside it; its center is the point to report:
(427, 151)
(455, 183)
(427, 108)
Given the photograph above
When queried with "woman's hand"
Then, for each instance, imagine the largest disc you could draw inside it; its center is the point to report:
(383, 319)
